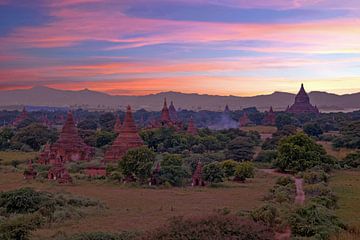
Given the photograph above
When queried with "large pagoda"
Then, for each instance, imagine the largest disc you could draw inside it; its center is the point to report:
(21, 117)
(302, 104)
(128, 138)
(70, 146)
(270, 118)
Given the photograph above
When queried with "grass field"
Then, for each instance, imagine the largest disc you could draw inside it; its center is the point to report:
(346, 184)
(140, 208)
(337, 153)
(7, 157)
(260, 129)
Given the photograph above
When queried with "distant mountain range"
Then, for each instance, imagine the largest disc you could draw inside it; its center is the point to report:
(44, 96)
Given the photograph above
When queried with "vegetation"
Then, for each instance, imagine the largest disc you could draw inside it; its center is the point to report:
(244, 170)
(213, 172)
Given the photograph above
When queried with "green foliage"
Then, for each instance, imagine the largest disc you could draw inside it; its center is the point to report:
(244, 170)
(104, 138)
(299, 153)
(350, 136)
(137, 163)
(266, 156)
(214, 227)
(267, 214)
(19, 227)
(312, 177)
(240, 149)
(172, 170)
(352, 160)
(272, 143)
(107, 121)
(313, 129)
(283, 191)
(229, 167)
(34, 135)
(285, 119)
(88, 124)
(315, 221)
(213, 172)
(5, 136)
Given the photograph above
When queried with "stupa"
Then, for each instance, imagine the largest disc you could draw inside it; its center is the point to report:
(44, 157)
(173, 113)
(244, 120)
(29, 172)
(302, 104)
(117, 126)
(197, 179)
(270, 118)
(21, 117)
(70, 146)
(191, 127)
(58, 172)
(128, 138)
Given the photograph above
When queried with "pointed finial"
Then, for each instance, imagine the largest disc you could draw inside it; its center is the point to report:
(165, 104)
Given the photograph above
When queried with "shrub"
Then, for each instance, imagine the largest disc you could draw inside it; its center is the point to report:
(229, 167)
(267, 214)
(20, 227)
(213, 227)
(240, 149)
(284, 180)
(312, 177)
(266, 156)
(315, 221)
(244, 170)
(102, 236)
(213, 172)
(352, 160)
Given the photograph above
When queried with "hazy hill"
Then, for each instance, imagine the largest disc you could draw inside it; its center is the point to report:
(43, 96)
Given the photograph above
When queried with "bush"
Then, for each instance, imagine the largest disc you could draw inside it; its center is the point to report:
(352, 160)
(244, 170)
(213, 173)
(315, 221)
(229, 167)
(213, 227)
(20, 227)
(312, 177)
(267, 214)
(240, 149)
(266, 156)
(102, 236)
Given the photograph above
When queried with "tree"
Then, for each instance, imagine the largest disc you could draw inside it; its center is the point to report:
(229, 167)
(213, 173)
(35, 135)
(5, 135)
(285, 119)
(244, 170)
(240, 149)
(313, 129)
(107, 121)
(299, 152)
(88, 124)
(104, 138)
(137, 163)
(172, 170)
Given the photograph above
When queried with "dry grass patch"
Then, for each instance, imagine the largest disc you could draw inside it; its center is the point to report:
(142, 209)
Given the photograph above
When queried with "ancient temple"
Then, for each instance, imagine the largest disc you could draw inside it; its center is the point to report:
(270, 118)
(21, 117)
(165, 115)
(302, 104)
(128, 138)
(45, 121)
(173, 113)
(29, 172)
(197, 179)
(58, 172)
(244, 120)
(70, 146)
(117, 125)
(191, 127)
(44, 156)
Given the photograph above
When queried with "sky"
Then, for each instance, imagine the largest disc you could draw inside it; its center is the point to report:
(222, 47)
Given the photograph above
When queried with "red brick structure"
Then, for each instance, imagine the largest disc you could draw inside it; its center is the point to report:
(23, 115)
(302, 104)
(244, 120)
(128, 138)
(44, 157)
(29, 172)
(270, 118)
(70, 146)
(58, 172)
(173, 113)
(197, 179)
(45, 121)
(118, 125)
(191, 127)
(95, 171)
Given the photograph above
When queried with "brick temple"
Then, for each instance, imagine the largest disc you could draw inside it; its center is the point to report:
(244, 120)
(69, 147)
(270, 118)
(191, 129)
(128, 138)
(197, 179)
(168, 118)
(302, 104)
(21, 117)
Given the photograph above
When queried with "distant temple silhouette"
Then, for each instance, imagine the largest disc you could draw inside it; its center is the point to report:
(302, 104)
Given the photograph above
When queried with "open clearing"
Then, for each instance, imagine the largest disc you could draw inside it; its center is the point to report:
(346, 184)
(141, 208)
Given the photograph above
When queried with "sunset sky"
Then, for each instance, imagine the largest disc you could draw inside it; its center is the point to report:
(224, 47)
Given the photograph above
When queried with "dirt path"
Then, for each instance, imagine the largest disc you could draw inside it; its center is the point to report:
(299, 199)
